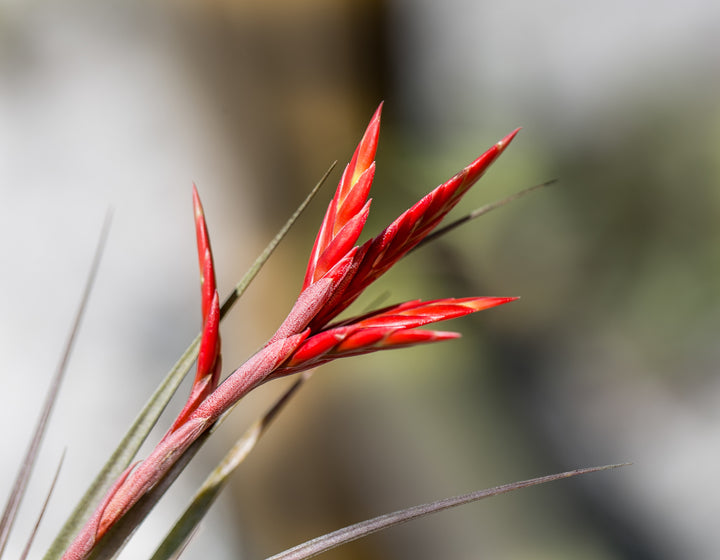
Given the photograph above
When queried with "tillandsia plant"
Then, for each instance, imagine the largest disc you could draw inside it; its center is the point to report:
(338, 272)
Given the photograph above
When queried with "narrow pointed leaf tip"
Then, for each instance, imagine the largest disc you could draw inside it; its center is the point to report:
(315, 547)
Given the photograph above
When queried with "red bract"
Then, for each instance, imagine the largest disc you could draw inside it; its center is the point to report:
(348, 210)
(209, 359)
(337, 273)
(392, 327)
(379, 254)
(205, 258)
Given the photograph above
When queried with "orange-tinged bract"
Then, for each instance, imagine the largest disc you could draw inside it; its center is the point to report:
(349, 208)
(209, 359)
(338, 272)
(392, 327)
(205, 258)
(379, 254)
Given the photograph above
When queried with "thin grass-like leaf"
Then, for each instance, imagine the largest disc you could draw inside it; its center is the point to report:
(146, 419)
(26, 551)
(187, 524)
(265, 255)
(322, 544)
(481, 212)
(179, 551)
(18, 489)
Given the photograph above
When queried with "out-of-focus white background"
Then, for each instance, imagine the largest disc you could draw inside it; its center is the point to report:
(610, 356)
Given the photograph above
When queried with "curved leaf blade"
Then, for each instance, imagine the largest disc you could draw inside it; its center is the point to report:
(312, 548)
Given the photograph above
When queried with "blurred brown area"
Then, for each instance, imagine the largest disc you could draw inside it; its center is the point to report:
(609, 356)
(290, 80)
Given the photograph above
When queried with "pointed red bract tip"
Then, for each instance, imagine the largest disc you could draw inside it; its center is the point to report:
(478, 304)
(368, 145)
(347, 206)
(205, 258)
(468, 176)
(362, 158)
(502, 144)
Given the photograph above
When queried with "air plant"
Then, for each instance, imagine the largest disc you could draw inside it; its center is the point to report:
(338, 272)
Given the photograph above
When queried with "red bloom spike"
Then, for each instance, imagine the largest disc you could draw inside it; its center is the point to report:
(207, 268)
(208, 365)
(417, 313)
(348, 203)
(377, 255)
(209, 354)
(336, 275)
(209, 360)
(392, 327)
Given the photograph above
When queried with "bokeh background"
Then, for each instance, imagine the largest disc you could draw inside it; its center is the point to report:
(610, 356)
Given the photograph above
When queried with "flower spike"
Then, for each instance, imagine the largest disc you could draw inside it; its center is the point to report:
(337, 273)
(205, 258)
(379, 254)
(209, 358)
(392, 327)
(348, 210)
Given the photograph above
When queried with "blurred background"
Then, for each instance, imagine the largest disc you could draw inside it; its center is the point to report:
(610, 355)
